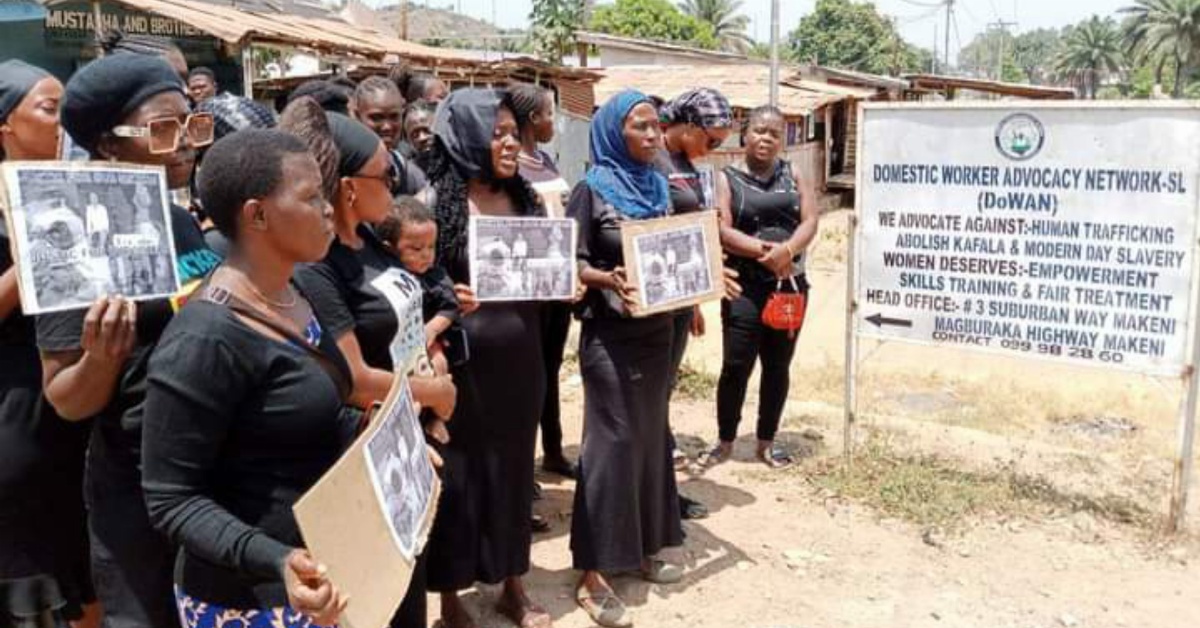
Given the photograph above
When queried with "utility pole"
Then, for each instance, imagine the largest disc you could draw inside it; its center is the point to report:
(946, 49)
(1001, 28)
(933, 62)
(403, 19)
(774, 93)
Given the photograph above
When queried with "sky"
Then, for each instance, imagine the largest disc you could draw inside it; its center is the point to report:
(917, 21)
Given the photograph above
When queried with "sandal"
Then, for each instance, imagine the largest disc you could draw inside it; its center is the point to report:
(604, 607)
(527, 616)
(774, 457)
(717, 455)
(661, 572)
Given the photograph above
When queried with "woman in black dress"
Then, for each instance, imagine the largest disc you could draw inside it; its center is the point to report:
(626, 500)
(244, 403)
(44, 575)
(695, 124)
(483, 531)
(343, 286)
(94, 361)
(533, 107)
(766, 225)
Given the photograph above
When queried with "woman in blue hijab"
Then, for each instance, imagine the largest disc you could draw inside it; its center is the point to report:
(626, 366)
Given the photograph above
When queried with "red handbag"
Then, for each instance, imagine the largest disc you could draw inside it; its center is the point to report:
(785, 310)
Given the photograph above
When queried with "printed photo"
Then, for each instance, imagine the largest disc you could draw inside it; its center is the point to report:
(401, 473)
(83, 231)
(673, 266)
(403, 292)
(522, 259)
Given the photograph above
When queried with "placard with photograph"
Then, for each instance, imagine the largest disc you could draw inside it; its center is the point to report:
(80, 231)
(403, 291)
(523, 259)
(370, 515)
(673, 262)
(401, 473)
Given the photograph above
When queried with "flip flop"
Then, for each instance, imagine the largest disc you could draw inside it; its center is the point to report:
(775, 457)
(528, 616)
(715, 457)
(604, 607)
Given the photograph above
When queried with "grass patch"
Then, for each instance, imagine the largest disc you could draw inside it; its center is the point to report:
(695, 384)
(929, 490)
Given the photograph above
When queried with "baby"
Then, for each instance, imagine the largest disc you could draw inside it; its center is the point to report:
(410, 231)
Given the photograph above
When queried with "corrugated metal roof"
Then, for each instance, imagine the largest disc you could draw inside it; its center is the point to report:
(238, 26)
(746, 86)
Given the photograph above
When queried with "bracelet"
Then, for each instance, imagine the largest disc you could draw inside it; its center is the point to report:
(788, 245)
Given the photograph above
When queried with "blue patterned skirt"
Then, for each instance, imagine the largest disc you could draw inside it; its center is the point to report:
(194, 613)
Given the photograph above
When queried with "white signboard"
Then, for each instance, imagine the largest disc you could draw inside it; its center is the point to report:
(1061, 231)
(403, 292)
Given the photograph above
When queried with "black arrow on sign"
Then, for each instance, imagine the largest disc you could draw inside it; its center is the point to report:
(879, 320)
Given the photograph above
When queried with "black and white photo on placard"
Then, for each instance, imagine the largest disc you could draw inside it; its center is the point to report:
(522, 259)
(401, 473)
(673, 266)
(82, 231)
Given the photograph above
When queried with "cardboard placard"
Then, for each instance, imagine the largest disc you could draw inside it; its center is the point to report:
(347, 527)
(80, 231)
(674, 262)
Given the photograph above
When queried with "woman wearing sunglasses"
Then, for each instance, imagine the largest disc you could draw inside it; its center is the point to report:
(44, 545)
(126, 108)
(357, 172)
(694, 124)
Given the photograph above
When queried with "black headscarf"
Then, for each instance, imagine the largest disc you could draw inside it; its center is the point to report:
(104, 92)
(462, 150)
(356, 143)
(463, 126)
(17, 78)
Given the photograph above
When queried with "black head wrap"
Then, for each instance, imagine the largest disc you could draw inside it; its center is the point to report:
(17, 78)
(463, 126)
(103, 93)
(356, 143)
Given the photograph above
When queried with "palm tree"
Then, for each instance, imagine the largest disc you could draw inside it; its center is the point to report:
(1092, 50)
(1165, 29)
(729, 26)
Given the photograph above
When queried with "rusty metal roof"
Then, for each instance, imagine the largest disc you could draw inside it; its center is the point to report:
(746, 86)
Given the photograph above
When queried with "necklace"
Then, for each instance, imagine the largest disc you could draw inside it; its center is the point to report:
(279, 305)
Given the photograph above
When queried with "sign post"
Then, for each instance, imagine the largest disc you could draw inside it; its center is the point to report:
(1055, 231)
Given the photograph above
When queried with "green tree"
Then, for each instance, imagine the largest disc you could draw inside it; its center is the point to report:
(1162, 30)
(1034, 52)
(729, 26)
(554, 23)
(1092, 51)
(853, 35)
(656, 20)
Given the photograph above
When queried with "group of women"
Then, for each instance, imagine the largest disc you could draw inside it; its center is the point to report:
(202, 424)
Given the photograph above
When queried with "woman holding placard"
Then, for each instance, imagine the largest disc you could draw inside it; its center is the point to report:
(766, 225)
(44, 544)
(626, 367)
(244, 407)
(347, 286)
(483, 531)
(695, 124)
(126, 108)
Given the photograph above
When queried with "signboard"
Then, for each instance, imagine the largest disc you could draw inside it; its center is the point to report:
(1053, 230)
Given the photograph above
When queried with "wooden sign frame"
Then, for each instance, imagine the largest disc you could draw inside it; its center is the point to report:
(633, 232)
(346, 530)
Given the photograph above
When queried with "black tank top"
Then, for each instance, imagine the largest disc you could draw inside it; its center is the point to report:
(767, 210)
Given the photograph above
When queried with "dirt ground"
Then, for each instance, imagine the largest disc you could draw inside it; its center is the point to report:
(787, 549)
